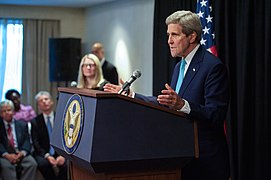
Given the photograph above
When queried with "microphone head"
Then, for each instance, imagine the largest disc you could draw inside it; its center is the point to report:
(73, 84)
(137, 73)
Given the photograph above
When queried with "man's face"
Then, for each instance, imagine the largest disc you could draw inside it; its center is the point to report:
(100, 54)
(7, 113)
(45, 104)
(178, 42)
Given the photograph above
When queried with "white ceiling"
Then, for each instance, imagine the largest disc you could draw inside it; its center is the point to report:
(57, 3)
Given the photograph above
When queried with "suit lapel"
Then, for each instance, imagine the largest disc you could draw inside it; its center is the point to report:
(43, 126)
(104, 66)
(190, 74)
(192, 70)
(19, 133)
(4, 133)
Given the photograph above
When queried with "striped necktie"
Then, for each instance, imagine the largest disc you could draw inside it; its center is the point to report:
(10, 136)
(181, 75)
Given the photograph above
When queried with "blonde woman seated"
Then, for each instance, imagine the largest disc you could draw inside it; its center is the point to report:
(90, 73)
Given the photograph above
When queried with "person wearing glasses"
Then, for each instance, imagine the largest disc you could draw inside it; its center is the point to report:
(90, 74)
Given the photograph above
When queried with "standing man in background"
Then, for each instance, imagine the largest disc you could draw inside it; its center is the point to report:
(109, 70)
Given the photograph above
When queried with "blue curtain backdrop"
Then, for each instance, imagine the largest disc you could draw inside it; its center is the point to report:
(3, 49)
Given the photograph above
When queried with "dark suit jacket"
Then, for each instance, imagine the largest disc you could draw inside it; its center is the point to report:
(110, 72)
(22, 136)
(40, 136)
(205, 87)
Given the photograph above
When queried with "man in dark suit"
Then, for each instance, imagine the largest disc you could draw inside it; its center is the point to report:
(51, 165)
(199, 88)
(15, 146)
(109, 70)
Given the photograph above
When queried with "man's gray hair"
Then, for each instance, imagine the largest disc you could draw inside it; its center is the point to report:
(42, 93)
(190, 22)
(7, 103)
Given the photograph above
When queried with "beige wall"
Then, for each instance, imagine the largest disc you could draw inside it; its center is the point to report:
(126, 30)
(72, 20)
(118, 25)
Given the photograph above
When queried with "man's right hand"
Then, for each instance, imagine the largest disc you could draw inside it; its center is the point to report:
(116, 88)
(113, 88)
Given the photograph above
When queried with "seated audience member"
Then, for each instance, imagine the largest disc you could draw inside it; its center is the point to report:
(109, 70)
(22, 112)
(15, 160)
(44, 153)
(90, 74)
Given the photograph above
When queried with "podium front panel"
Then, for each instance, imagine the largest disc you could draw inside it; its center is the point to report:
(118, 134)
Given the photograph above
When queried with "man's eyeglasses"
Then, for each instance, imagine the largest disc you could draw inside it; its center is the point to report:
(90, 65)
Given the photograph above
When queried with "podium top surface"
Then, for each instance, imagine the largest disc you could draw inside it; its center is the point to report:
(102, 94)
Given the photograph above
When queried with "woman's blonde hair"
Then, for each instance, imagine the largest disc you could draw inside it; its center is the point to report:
(98, 78)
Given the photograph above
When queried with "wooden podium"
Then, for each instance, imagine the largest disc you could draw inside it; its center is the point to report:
(110, 136)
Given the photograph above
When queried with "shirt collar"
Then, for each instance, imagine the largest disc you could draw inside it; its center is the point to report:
(102, 61)
(6, 123)
(51, 115)
(189, 57)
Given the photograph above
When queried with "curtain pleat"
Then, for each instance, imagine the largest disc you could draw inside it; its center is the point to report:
(3, 24)
(36, 59)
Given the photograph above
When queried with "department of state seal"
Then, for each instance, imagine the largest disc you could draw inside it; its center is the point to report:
(72, 124)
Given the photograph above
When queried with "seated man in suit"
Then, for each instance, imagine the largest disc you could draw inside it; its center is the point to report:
(44, 154)
(15, 146)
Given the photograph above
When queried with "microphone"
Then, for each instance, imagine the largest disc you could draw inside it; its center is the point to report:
(126, 86)
(73, 84)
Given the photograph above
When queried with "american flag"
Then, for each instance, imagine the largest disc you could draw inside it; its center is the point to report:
(204, 11)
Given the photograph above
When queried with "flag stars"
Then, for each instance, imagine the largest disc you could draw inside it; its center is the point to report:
(204, 12)
(206, 30)
(202, 41)
(203, 3)
(200, 14)
(209, 18)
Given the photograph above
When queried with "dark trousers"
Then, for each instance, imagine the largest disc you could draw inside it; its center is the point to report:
(49, 172)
